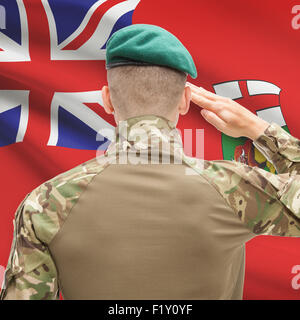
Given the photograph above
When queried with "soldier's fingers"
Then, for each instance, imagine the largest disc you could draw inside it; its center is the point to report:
(201, 91)
(213, 119)
(207, 94)
(204, 102)
(191, 85)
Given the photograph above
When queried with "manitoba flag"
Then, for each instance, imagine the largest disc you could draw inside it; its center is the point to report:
(52, 69)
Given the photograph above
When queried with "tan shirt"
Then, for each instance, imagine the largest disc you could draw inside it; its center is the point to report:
(142, 230)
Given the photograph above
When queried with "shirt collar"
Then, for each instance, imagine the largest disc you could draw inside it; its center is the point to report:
(146, 132)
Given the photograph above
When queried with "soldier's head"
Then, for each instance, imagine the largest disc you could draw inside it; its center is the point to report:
(140, 90)
(147, 69)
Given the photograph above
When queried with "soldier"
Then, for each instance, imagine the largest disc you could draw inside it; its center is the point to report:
(143, 230)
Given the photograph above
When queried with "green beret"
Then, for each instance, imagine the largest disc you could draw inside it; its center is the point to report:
(143, 44)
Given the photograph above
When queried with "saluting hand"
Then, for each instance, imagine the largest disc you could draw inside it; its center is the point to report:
(227, 115)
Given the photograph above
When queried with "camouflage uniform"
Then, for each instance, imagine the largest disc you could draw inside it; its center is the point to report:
(264, 203)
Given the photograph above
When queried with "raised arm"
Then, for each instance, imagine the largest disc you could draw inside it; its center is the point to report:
(229, 117)
(280, 148)
(265, 202)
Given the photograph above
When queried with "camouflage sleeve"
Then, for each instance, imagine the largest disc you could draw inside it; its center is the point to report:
(280, 148)
(268, 204)
(31, 273)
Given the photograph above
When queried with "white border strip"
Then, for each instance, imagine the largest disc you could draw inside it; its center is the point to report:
(75, 104)
(10, 99)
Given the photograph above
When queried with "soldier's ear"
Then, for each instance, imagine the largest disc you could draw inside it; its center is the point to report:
(185, 102)
(108, 107)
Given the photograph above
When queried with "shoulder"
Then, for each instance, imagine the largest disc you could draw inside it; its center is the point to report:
(222, 174)
(232, 173)
(48, 206)
(212, 169)
(234, 179)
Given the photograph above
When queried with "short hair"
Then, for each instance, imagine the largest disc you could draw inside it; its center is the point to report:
(141, 90)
